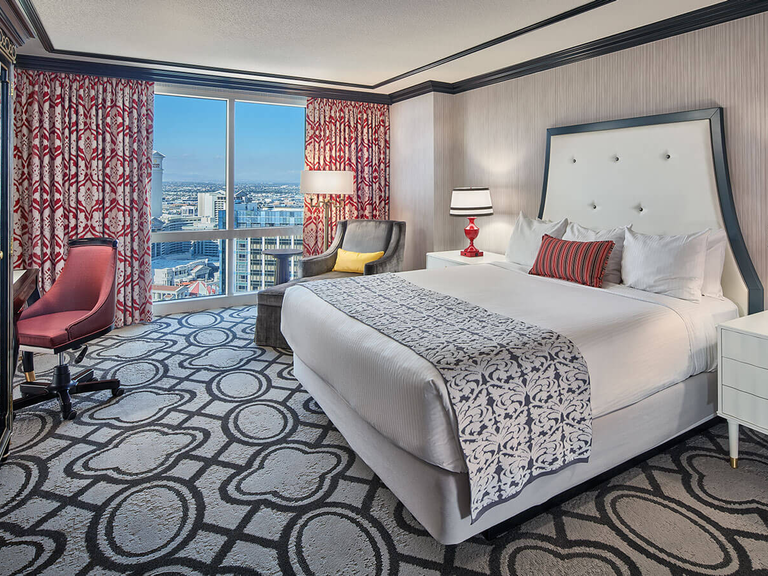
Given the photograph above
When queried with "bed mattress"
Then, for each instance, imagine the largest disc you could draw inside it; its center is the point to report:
(635, 344)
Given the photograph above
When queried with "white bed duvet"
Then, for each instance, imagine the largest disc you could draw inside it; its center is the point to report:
(635, 344)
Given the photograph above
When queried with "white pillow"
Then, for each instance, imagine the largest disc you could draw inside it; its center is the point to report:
(713, 265)
(525, 241)
(671, 265)
(577, 232)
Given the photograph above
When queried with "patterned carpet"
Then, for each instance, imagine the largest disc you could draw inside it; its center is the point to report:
(216, 461)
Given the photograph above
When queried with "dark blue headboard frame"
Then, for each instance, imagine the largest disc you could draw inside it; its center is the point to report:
(722, 177)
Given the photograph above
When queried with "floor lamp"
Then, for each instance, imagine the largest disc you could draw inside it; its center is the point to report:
(330, 188)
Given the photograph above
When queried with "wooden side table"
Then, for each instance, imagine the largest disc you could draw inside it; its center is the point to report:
(24, 292)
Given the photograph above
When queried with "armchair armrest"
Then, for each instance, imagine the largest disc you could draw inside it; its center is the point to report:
(322, 263)
(316, 265)
(392, 261)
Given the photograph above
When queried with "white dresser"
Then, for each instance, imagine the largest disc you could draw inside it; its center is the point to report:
(743, 376)
(454, 258)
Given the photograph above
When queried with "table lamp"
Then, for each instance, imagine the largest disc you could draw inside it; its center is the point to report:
(330, 187)
(471, 202)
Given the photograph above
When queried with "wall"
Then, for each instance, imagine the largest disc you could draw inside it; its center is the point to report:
(412, 175)
(495, 135)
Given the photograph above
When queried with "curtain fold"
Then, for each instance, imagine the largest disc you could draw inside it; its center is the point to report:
(82, 164)
(342, 135)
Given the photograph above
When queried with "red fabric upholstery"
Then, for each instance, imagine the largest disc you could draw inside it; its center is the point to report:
(80, 303)
(581, 262)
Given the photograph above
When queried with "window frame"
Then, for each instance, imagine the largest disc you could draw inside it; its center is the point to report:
(230, 233)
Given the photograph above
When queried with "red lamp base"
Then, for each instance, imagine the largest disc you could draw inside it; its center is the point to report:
(471, 232)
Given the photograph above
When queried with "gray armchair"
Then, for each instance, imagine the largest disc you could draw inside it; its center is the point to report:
(386, 236)
(353, 235)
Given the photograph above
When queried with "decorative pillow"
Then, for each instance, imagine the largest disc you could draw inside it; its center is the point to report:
(578, 233)
(347, 261)
(671, 265)
(525, 241)
(713, 264)
(581, 262)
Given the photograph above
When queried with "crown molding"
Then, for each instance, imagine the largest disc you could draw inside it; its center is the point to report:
(42, 35)
(682, 24)
(68, 66)
(13, 23)
(709, 16)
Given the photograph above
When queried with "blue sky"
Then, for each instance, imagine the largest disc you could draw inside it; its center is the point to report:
(191, 132)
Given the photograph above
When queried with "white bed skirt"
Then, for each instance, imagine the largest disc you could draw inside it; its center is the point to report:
(439, 499)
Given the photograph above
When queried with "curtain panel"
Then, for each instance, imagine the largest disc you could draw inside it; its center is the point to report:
(82, 165)
(342, 135)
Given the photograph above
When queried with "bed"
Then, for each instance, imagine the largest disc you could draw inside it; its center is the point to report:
(651, 358)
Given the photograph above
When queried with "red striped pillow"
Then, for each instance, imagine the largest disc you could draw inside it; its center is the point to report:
(582, 262)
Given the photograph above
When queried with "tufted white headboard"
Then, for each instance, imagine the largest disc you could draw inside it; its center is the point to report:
(665, 174)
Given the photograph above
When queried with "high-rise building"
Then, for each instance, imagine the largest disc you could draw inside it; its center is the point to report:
(255, 270)
(157, 184)
(209, 205)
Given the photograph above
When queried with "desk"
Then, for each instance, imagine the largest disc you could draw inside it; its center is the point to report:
(24, 291)
(282, 255)
(24, 286)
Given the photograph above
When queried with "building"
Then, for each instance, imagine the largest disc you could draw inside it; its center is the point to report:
(173, 273)
(210, 248)
(157, 184)
(209, 206)
(161, 292)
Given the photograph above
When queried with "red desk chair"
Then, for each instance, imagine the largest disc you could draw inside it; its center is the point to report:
(79, 307)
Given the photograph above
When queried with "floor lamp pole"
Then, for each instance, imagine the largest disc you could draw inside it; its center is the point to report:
(327, 212)
(325, 200)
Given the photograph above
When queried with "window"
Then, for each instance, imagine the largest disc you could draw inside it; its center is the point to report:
(225, 187)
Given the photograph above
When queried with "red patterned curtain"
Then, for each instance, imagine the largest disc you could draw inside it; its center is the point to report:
(82, 164)
(354, 136)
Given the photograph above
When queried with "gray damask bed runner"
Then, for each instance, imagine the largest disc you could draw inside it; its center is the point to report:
(520, 392)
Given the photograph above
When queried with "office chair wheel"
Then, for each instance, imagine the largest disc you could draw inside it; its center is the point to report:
(117, 392)
(71, 416)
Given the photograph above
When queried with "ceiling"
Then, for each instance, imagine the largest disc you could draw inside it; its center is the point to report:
(355, 44)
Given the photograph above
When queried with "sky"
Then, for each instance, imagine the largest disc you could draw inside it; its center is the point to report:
(191, 132)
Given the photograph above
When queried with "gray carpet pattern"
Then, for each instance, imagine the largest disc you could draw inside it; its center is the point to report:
(216, 461)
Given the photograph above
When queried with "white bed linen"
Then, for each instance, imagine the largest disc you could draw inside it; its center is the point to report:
(635, 344)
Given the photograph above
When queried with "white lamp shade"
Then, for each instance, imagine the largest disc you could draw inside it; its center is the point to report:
(471, 202)
(341, 182)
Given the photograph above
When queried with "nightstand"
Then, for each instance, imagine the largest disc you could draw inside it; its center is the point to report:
(743, 376)
(454, 258)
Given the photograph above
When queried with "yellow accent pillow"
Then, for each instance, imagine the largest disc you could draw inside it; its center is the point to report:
(347, 261)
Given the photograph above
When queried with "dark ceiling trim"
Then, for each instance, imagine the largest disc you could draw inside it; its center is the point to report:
(421, 89)
(13, 23)
(68, 66)
(40, 32)
(688, 22)
(695, 20)
(499, 40)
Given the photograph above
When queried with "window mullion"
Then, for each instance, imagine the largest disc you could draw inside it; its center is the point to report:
(230, 186)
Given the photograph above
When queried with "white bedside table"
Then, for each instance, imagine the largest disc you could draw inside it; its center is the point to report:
(743, 376)
(454, 258)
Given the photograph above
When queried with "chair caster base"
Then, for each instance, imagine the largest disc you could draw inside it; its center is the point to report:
(71, 416)
(116, 392)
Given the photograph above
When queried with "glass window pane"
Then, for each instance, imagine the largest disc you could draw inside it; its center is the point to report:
(269, 158)
(188, 269)
(189, 164)
(255, 270)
